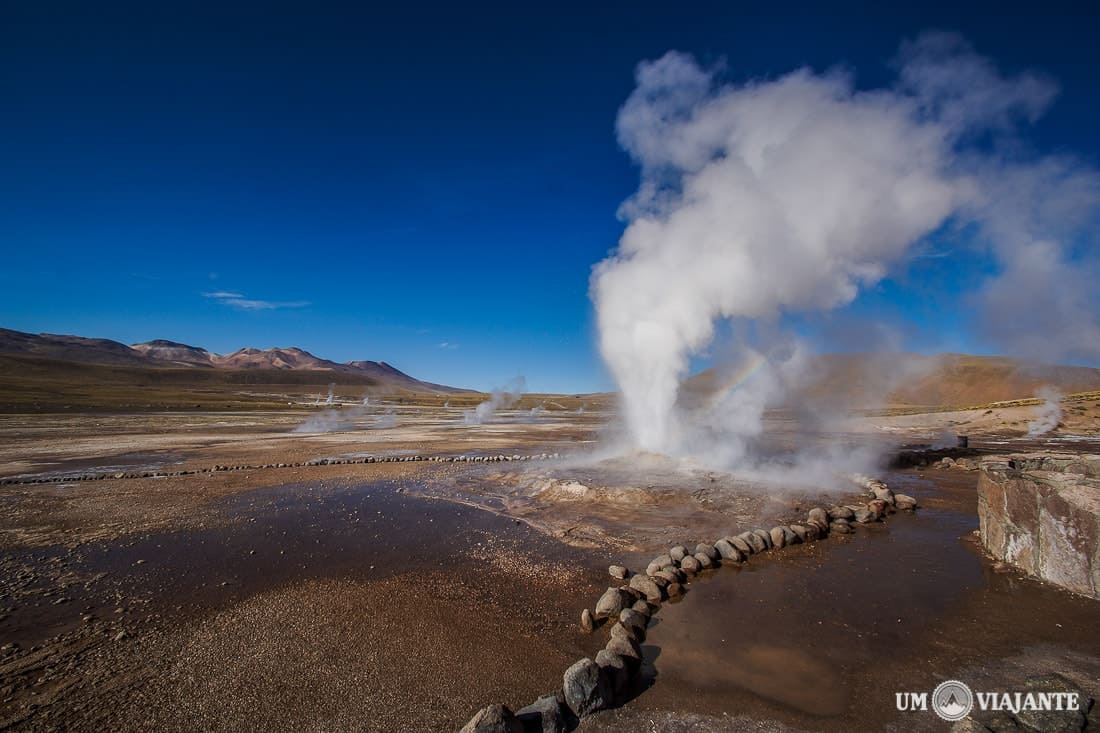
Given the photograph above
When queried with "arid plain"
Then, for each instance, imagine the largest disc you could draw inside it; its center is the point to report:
(241, 568)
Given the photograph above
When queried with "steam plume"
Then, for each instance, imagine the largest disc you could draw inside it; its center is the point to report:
(501, 399)
(791, 195)
(1048, 414)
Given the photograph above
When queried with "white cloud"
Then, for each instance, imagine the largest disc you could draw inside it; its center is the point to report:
(237, 300)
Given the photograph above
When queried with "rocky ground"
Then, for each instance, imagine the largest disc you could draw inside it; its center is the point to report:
(407, 595)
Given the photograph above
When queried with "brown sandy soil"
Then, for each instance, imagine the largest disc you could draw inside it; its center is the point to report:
(66, 445)
(1079, 418)
(350, 597)
(343, 606)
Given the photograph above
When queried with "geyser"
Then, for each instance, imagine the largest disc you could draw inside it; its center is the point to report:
(1048, 414)
(783, 196)
(501, 399)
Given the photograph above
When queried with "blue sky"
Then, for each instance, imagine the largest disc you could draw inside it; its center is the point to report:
(428, 186)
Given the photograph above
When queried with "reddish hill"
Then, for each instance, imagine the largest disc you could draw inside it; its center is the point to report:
(256, 365)
(180, 354)
(288, 358)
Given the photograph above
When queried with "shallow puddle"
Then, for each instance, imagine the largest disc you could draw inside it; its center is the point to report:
(822, 635)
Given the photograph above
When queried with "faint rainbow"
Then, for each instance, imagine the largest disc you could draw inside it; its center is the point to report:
(750, 367)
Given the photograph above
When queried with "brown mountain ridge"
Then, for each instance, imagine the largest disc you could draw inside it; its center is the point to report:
(161, 354)
(873, 380)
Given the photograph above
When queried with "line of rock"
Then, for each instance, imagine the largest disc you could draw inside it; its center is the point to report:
(300, 464)
(590, 685)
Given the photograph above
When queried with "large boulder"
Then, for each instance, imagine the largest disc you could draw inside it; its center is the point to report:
(587, 688)
(753, 541)
(739, 542)
(840, 526)
(728, 552)
(616, 669)
(668, 575)
(882, 493)
(905, 502)
(661, 579)
(863, 515)
(610, 603)
(493, 719)
(647, 587)
(1041, 513)
(663, 561)
(631, 633)
(764, 535)
(633, 619)
(544, 715)
(704, 549)
(628, 649)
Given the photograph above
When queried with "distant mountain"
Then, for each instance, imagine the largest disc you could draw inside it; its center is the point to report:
(910, 380)
(289, 358)
(70, 348)
(162, 354)
(181, 354)
(944, 379)
(383, 372)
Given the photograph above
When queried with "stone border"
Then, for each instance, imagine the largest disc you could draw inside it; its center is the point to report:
(609, 680)
(301, 464)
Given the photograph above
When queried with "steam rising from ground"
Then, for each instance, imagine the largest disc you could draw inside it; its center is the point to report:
(358, 417)
(791, 195)
(501, 399)
(1048, 414)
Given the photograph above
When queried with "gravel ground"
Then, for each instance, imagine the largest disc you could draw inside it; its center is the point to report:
(342, 607)
(351, 597)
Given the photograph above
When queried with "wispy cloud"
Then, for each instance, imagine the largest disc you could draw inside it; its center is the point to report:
(447, 345)
(237, 300)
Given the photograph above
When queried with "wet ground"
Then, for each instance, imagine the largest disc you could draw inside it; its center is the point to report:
(384, 597)
(820, 637)
(345, 604)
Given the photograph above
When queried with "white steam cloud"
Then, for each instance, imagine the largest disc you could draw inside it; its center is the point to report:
(501, 399)
(791, 195)
(357, 417)
(1048, 414)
